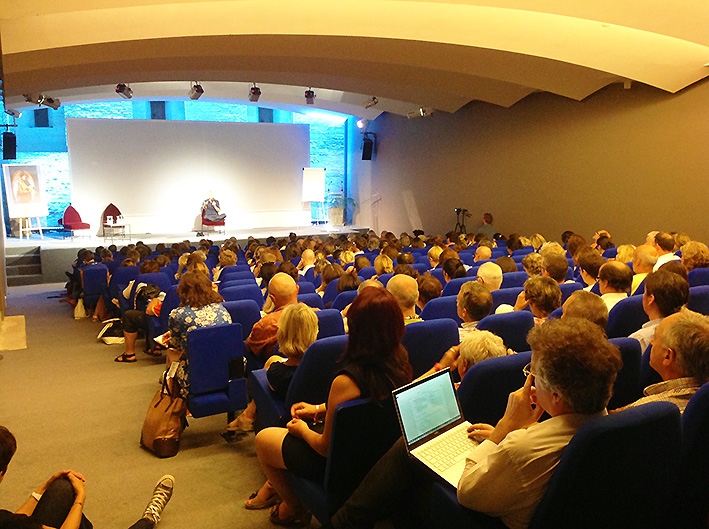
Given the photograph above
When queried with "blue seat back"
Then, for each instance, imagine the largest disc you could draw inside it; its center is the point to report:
(330, 323)
(305, 287)
(311, 300)
(384, 278)
(94, 278)
(171, 301)
(244, 292)
(694, 471)
(308, 276)
(210, 349)
(610, 253)
(486, 386)
(512, 327)
(648, 376)
(120, 278)
(367, 272)
(569, 288)
(453, 286)
(514, 279)
(443, 307)
(611, 470)
(626, 317)
(699, 299)
(438, 274)
(627, 388)
(229, 275)
(426, 341)
(236, 283)
(421, 268)
(343, 299)
(245, 312)
(698, 277)
(330, 291)
(505, 296)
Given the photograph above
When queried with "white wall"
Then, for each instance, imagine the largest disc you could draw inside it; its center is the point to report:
(159, 172)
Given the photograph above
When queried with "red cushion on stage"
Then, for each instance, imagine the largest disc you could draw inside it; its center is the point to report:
(71, 220)
(210, 222)
(111, 211)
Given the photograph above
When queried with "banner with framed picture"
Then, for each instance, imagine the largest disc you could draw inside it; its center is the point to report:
(24, 188)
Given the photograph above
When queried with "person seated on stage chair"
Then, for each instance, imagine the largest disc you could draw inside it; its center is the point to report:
(211, 210)
(59, 501)
(570, 377)
(680, 354)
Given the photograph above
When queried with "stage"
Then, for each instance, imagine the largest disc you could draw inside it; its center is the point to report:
(54, 254)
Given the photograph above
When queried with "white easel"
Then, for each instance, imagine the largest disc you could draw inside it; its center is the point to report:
(26, 227)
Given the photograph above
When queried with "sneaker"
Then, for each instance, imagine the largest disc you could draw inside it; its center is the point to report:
(161, 495)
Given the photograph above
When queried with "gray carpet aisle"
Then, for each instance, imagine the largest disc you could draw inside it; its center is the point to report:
(71, 407)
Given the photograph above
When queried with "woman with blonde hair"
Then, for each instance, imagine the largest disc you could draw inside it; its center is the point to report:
(537, 241)
(383, 265)
(226, 258)
(297, 329)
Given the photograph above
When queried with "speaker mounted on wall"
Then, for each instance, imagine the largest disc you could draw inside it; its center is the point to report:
(9, 146)
(367, 147)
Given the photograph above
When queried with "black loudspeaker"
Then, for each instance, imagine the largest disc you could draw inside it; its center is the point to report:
(9, 146)
(367, 148)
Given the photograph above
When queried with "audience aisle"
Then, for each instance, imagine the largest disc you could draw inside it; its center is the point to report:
(72, 407)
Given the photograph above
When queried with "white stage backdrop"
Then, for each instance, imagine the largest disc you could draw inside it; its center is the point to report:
(158, 173)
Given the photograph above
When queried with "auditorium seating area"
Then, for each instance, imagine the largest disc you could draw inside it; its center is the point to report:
(630, 440)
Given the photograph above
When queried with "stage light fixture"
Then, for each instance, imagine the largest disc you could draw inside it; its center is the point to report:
(196, 91)
(420, 112)
(17, 114)
(254, 93)
(362, 123)
(40, 99)
(124, 90)
(309, 96)
(369, 103)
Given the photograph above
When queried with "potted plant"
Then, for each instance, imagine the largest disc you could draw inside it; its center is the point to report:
(337, 203)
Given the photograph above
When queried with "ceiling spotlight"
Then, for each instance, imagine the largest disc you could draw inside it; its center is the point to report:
(39, 99)
(124, 91)
(254, 93)
(17, 114)
(369, 103)
(420, 112)
(362, 123)
(309, 96)
(195, 92)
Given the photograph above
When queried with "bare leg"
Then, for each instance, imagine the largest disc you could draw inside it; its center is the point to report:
(268, 449)
(245, 419)
(131, 338)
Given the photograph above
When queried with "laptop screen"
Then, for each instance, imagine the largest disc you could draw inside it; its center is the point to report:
(427, 405)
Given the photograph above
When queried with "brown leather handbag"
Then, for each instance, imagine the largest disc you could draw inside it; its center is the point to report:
(164, 421)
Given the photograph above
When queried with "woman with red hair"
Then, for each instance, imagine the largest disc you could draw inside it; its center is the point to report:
(374, 363)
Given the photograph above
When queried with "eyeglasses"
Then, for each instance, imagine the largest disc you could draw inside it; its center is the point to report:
(527, 370)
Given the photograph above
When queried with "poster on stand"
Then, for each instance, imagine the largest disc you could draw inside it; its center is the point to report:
(24, 188)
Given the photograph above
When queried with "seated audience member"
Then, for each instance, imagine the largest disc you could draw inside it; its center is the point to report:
(289, 268)
(265, 273)
(589, 263)
(615, 279)
(406, 269)
(490, 275)
(329, 274)
(346, 258)
(602, 236)
(644, 259)
(665, 293)
(360, 262)
(650, 238)
(162, 260)
(513, 243)
(226, 258)
(680, 354)
(665, 246)
(59, 501)
(695, 255)
(506, 264)
(532, 264)
(383, 265)
(543, 296)
(307, 261)
(551, 247)
(482, 253)
(625, 253)
(453, 269)
(586, 305)
(681, 239)
(604, 243)
(434, 254)
(283, 291)
(406, 258)
(676, 267)
(405, 290)
(536, 241)
(347, 282)
(373, 364)
(429, 288)
(297, 330)
(474, 302)
(106, 256)
(486, 228)
(574, 244)
(473, 348)
(570, 377)
(555, 266)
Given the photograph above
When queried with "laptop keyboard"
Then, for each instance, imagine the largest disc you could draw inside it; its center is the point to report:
(444, 451)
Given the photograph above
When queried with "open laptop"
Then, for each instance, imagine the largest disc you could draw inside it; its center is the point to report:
(433, 425)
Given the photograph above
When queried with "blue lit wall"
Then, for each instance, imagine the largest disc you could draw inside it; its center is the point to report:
(48, 146)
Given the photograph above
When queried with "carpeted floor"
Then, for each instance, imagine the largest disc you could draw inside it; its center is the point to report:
(71, 407)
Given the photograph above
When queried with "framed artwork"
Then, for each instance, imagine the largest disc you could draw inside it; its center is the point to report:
(24, 187)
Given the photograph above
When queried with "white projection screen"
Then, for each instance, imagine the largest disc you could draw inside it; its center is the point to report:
(158, 172)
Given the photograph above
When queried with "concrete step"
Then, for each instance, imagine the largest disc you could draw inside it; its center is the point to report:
(18, 280)
(26, 259)
(23, 270)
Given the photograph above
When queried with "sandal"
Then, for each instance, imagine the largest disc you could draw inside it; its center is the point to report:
(254, 503)
(242, 425)
(300, 518)
(125, 358)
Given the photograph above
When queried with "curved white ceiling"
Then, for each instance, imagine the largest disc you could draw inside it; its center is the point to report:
(438, 54)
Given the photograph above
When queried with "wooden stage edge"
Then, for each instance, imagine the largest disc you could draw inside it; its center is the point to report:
(57, 254)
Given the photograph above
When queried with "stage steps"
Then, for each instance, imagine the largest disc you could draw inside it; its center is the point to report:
(23, 266)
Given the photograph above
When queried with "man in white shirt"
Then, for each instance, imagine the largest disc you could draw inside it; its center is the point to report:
(665, 294)
(307, 261)
(615, 279)
(570, 377)
(665, 246)
(644, 259)
(474, 303)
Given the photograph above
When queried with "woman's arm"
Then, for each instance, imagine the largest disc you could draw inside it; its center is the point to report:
(343, 389)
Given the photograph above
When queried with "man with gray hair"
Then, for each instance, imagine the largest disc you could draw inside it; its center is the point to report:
(405, 290)
(474, 302)
(644, 259)
(680, 354)
(490, 275)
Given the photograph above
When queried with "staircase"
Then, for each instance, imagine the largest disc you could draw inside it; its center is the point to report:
(23, 266)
